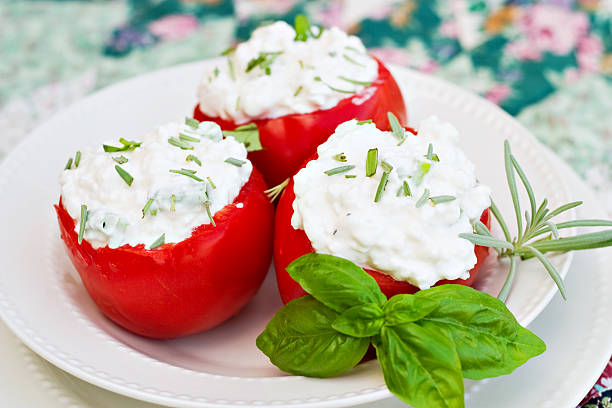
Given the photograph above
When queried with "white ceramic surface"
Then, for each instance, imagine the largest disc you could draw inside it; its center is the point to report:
(45, 305)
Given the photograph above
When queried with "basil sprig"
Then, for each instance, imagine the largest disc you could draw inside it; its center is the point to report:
(248, 135)
(426, 343)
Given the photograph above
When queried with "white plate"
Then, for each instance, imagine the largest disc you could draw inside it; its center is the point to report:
(559, 378)
(46, 306)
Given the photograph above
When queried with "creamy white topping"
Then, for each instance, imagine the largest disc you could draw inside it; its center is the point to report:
(415, 244)
(304, 76)
(178, 206)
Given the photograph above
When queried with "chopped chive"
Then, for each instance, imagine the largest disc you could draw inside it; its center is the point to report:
(341, 157)
(126, 142)
(120, 159)
(350, 176)
(361, 122)
(211, 182)
(348, 47)
(237, 103)
(194, 159)
(179, 143)
(216, 72)
(192, 123)
(210, 217)
(339, 170)
(405, 189)
(381, 186)
(228, 51)
(435, 158)
(127, 177)
(69, 164)
(268, 71)
(127, 146)
(386, 166)
(77, 159)
(423, 170)
(429, 154)
(442, 199)
(235, 162)
(371, 162)
(187, 138)
(147, 206)
(83, 222)
(354, 81)
(398, 131)
(319, 79)
(159, 241)
(301, 64)
(332, 54)
(230, 64)
(187, 173)
(189, 170)
(423, 198)
(297, 92)
(172, 202)
(349, 59)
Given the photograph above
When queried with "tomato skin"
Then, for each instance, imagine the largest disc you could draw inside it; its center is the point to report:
(290, 244)
(180, 288)
(289, 140)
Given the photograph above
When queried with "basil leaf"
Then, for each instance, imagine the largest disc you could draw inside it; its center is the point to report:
(248, 135)
(336, 282)
(300, 340)
(420, 365)
(407, 308)
(360, 321)
(489, 340)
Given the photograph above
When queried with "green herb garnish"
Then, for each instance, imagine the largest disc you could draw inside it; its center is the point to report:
(127, 146)
(381, 186)
(341, 157)
(442, 199)
(194, 159)
(235, 162)
(179, 143)
(352, 61)
(210, 217)
(191, 122)
(429, 154)
(425, 343)
(230, 65)
(229, 50)
(297, 92)
(274, 192)
(188, 173)
(371, 162)
(355, 82)
(145, 209)
(319, 79)
(303, 29)
(77, 159)
(423, 198)
(350, 176)
(159, 241)
(211, 183)
(386, 166)
(361, 122)
(339, 170)
(398, 131)
(216, 72)
(264, 61)
(127, 177)
(248, 135)
(422, 170)
(83, 222)
(187, 138)
(69, 164)
(172, 202)
(120, 159)
(405, 189)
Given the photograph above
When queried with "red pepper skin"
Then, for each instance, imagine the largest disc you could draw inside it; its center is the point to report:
(290, 244)
(289, 140)
(181, 288)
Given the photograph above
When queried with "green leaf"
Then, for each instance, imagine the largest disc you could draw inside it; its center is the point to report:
(300, 340)
(407, 308)
(420, 365)
(336, 282)
(246, 134)
(489, 340)
(360, 321)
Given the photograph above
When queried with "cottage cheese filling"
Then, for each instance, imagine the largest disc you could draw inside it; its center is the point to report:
(177, 201)
(409, 237)
(290, 77)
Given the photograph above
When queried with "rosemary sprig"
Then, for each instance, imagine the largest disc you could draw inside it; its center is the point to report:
(537, 221)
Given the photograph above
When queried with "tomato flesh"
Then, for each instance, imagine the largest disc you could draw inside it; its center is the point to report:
(186, 287)
(289, 140)
(290, 244)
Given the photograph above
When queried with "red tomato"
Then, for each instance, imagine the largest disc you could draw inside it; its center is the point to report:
(290, 244)
(289, 140)
(181, 288)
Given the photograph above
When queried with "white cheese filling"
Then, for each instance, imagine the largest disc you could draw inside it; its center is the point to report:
(410, 240)
(177, 201)
(291, 76)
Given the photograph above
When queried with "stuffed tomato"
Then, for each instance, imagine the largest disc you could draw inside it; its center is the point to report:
(285, 90)
(171, 234)
(392, 202)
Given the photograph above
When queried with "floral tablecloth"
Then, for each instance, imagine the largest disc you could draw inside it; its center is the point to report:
(549, 63)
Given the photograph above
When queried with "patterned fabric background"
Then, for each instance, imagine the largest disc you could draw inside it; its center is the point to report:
(549, 63)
